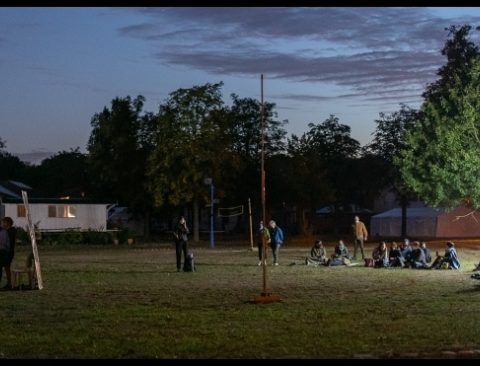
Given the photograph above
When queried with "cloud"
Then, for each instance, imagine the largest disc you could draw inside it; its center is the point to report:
(363, 50)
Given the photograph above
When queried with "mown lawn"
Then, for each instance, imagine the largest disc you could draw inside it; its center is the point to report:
(129, 302)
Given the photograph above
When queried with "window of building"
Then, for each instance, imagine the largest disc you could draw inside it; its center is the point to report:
(21, 212)
(52, 211)
(66, 211)
(62, 211)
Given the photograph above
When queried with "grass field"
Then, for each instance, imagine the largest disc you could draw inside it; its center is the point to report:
(129, 302)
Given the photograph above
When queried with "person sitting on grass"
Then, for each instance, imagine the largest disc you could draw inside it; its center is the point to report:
(417, 258)
(428, 256)
(380, 256)
(477, 267)
(340, 256)
(449, 260)
(406, 250)
(395, 256)
(318, 255)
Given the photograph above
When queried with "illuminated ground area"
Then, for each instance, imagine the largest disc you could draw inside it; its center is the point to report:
(121, 302)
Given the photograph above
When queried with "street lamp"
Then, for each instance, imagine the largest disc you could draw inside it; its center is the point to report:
(209, 181)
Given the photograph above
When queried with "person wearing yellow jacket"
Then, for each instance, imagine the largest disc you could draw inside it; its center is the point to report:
(360, 234)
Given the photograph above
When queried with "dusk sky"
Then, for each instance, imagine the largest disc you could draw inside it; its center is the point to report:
(60, 66)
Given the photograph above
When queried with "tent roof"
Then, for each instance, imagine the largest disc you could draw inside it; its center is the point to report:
(411, 212)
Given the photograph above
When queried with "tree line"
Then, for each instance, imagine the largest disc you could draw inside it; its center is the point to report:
(156, 163)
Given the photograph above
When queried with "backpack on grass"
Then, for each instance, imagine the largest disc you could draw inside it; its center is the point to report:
(189, 264)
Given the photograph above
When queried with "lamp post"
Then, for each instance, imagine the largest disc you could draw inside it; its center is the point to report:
(209, 181)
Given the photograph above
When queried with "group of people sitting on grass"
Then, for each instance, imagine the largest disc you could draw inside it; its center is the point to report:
(415, 256)
(318, 255)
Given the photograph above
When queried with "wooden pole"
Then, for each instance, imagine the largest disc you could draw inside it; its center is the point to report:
(33, 239)
(250, 221)
(263, 192)
(264, 297)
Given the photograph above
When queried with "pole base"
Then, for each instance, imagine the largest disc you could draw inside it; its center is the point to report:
(266, 298)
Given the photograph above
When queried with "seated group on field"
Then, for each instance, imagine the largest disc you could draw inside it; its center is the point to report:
(415, 256)
(318, 255)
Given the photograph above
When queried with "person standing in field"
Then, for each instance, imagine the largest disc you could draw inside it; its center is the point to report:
(263, 231)
(7, 224)
(181, 242)
(4, 250)
(360, 234)
(276, 240)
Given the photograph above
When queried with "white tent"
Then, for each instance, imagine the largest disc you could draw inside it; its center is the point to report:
(428, 222)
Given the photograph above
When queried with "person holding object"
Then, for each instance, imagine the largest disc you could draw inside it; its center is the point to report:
(181, 242)
(360, 234)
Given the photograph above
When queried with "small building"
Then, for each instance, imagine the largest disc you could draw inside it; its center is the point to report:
(51, 214)
(427, 222)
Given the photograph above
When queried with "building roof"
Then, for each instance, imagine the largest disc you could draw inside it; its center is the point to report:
(13, 189)
(11, 192)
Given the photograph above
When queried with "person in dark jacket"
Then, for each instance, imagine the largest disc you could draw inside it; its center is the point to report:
(395, 256)
(181, 242)
(4, 249)
(340, 255)
(7, 224)
(417, 257)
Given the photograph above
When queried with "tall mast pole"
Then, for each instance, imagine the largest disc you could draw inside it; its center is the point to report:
(263, 193)
(264, 297)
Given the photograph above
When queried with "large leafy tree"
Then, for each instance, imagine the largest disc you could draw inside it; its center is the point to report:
(244, 130)
(63, 174)
(119, 144)
(191, 144)
(11, 167)
(323, 157)
(460, 52)
(441, 159)
(389, 135)
(244, 134)
(388, 141)
(329, 140)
